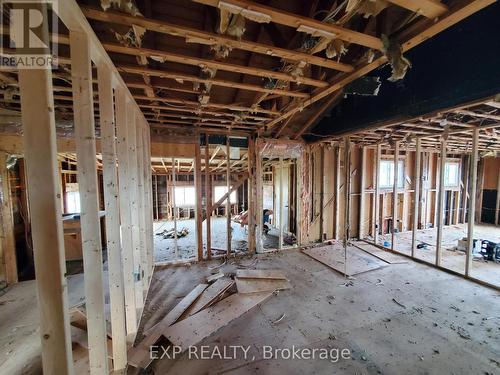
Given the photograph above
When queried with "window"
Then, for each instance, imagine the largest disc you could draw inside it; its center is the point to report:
(451, 173)
(72, 197)
(386, 176)
(185, 196)
(219, 191)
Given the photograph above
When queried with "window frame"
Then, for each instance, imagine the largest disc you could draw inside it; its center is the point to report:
(456, 185)
(401, 172)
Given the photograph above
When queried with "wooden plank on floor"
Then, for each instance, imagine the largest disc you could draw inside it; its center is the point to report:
(246, 286)
(386, 256)
(261, 274)
(333, 257)
(210, 296)
(138, 356)
(194, 329)
(179, 309)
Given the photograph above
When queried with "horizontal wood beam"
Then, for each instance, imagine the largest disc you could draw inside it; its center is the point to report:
(296, 21)
(214, 81)
(202, 37)
(427, 8)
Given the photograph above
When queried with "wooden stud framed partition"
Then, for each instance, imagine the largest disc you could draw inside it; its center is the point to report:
(395, 199)
(81, 75)
(132, 133)
(108, 149)
(440, 203)
(40, 154)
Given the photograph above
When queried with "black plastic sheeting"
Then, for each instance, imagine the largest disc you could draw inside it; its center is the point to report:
(459, 65)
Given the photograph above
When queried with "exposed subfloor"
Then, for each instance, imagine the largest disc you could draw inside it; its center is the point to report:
(404, 318)
(20, 347)
(451, 258)
(186, 246)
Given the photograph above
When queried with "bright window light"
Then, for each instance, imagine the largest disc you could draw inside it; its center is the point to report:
(386, 176)
(219, 191)
(185, 196)
(451, 173)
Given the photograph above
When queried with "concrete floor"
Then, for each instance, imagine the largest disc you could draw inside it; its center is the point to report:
(448, 325)
(165, 248)
(451, 259)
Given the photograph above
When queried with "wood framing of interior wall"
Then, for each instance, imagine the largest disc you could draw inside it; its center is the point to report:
(40, 149)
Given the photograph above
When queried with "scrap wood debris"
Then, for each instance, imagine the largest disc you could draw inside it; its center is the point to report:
(126, 6)
(207, 308)
(170, 233)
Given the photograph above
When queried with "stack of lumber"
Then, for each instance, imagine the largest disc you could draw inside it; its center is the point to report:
(207, 309)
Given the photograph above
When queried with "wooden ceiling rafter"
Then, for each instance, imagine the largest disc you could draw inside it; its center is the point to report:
(203, 37)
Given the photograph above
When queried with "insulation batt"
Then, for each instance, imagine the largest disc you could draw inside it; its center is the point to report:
(398, 62)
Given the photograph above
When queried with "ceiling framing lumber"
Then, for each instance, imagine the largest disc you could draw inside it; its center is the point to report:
(202, 37)
(300, 23)
(427, 8)
(214, 81)
(419, 33)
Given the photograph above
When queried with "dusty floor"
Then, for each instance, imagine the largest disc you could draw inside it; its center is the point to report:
(19, 320)
(403, 318)
(165, 249)
(451, 259)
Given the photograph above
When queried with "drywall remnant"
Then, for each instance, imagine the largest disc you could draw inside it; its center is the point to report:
(398, 62)
(127, 6)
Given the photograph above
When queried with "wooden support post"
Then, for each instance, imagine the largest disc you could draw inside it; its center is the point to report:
(376, 198)
(280, 237)
(134, 206)
(395, 195)
(416, 197)
(208, 197)
(497, 205)
(337, 193)
(228, 201)
(472, 201)
(83, 109)
(141, 204)
(362, 176)
(259, 204)
(251, 195)
(157, 216)
(125, 196)
(347, 197)
(465, 189)
(440, 203)
(8, 243)
(322, 195)
(108, 150)
(149, 196)
(198, 188)
(40, 155)
(174, 208)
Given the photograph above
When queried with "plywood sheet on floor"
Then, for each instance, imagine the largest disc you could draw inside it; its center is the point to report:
(261, 274)
(261, 285)
(386, 256)
(194, 329)
(355, 263)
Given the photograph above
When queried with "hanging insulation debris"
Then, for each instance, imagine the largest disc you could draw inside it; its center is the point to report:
(126, 6)
(221, 51)
(232, 19)
(132, 38)
(335, 48)
(398, 62)
(368, 8)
